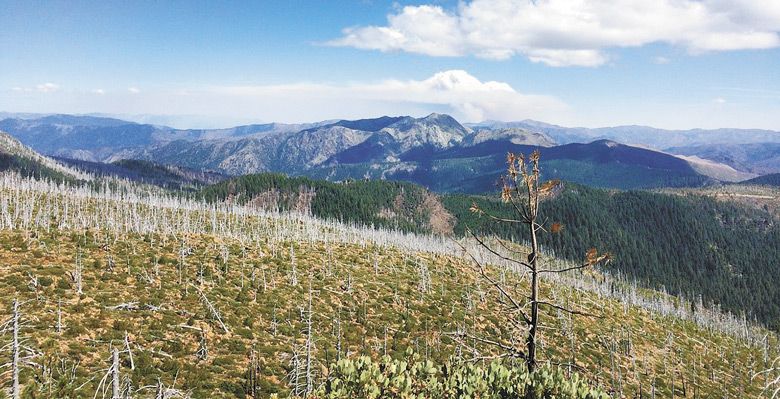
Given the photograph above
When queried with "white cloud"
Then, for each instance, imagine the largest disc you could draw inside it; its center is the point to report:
(660, 60)
(99, 92)
(41, 88)
(719, 100)
(571, 32)
(47, 87)
(134, 90)
(455, 92)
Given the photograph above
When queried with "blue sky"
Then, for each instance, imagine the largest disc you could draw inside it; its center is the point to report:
(666, 63)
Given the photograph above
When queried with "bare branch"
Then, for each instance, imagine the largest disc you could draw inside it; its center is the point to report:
(496, 284)
(575, 312)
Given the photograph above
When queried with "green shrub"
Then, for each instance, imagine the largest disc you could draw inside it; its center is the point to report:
(412, 377)
(45, 281)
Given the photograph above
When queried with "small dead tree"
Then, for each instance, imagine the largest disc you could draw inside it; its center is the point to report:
(309, 345)
(203, 348)
(59, 324)
(129, 351)
(75, 275)
(301, 377)
(296, 378)
(522, 191)
(293, 276)
(424, 284)
(211, 308)
(119, 390)
(252, 377)
(21, 354)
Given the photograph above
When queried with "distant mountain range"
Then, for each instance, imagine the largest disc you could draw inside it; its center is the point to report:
(97, 138)
(643, 136)
(436, 151)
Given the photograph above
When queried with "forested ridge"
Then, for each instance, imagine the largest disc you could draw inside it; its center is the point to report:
(768, 180)
(354, 201)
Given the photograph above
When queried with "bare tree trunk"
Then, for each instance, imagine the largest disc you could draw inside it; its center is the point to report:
(115, 375)
(129, 351)
(309, 376)
(59, 316)
(160, 390)
(76, 275)
(15, 393)
(212, 310)
(534, 322)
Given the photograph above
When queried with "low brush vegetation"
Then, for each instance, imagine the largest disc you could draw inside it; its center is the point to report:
(366, 301)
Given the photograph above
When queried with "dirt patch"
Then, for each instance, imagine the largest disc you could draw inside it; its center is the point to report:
(439, 219)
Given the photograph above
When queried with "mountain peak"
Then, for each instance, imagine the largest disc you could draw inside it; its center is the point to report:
(435, 115)
(437, 130)
(440, 118)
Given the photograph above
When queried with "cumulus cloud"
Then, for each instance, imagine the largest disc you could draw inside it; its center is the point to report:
(134, 90)
(570, 32)
(99, 92)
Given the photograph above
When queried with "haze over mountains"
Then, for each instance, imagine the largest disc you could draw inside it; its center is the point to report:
(436, 151)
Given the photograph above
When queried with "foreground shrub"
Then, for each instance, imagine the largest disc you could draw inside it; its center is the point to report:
(415, 378)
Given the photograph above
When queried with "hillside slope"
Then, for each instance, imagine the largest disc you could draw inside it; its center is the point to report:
(212, 300)
(167, 176)
(693, 242)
